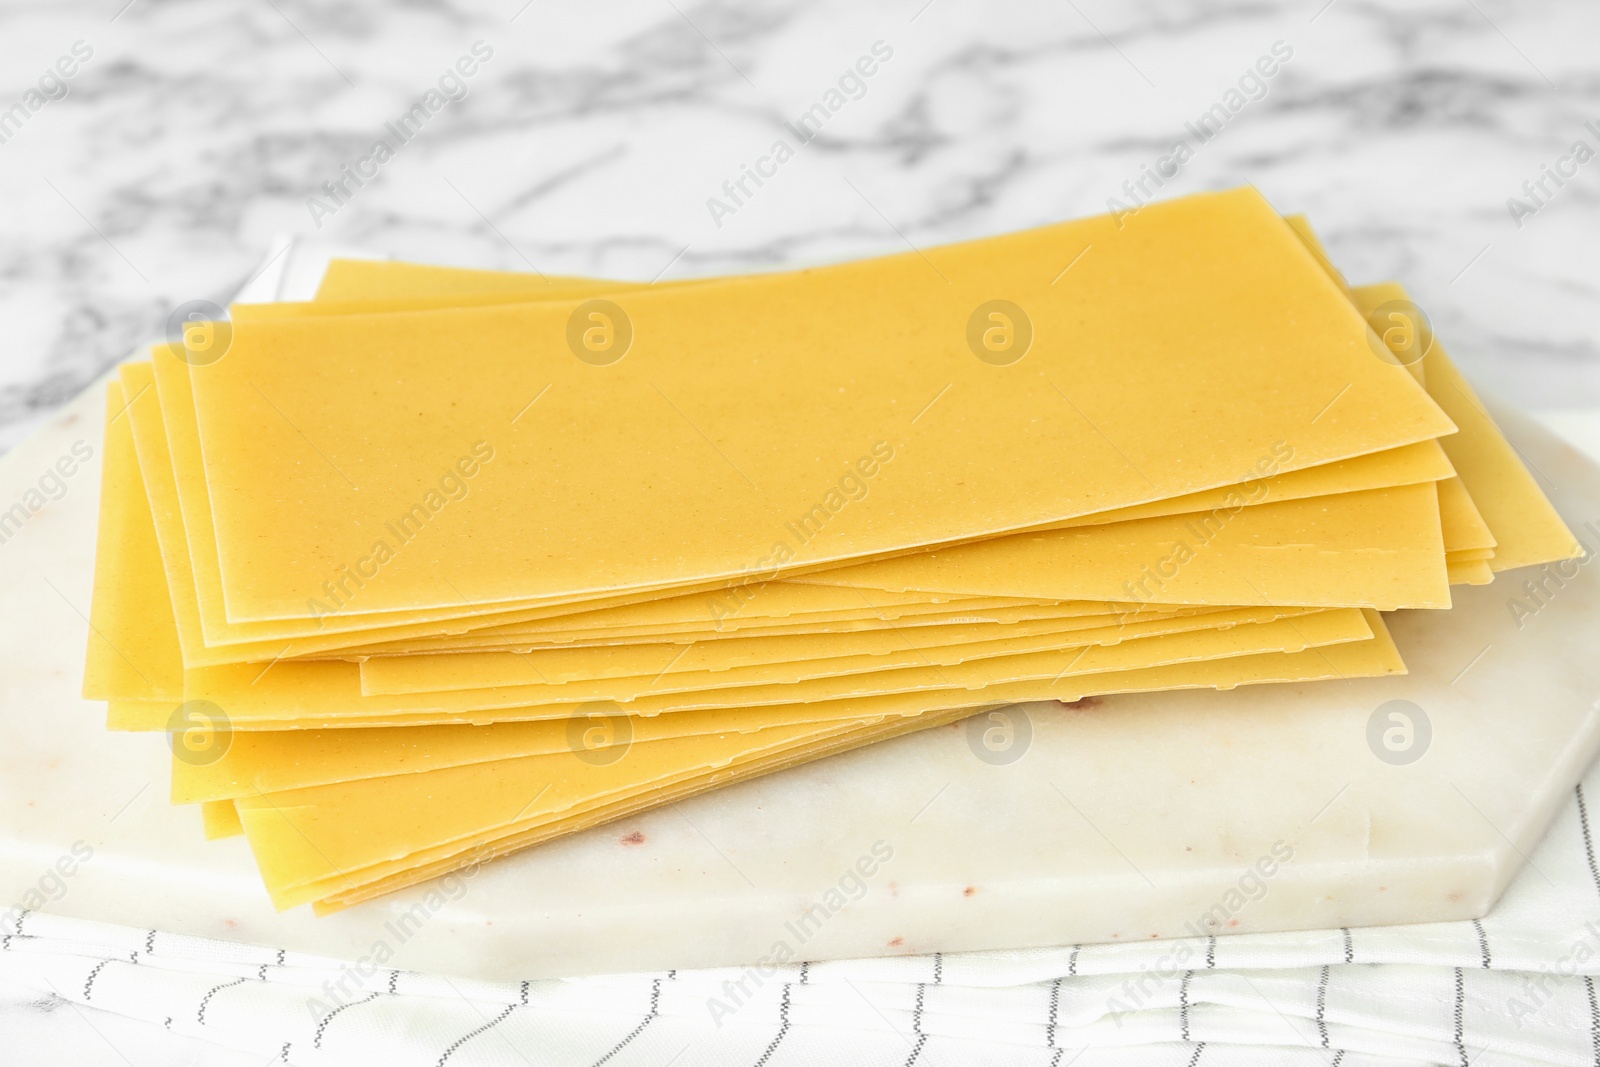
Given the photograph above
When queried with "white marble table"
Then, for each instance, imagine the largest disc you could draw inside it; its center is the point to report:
(194, 134)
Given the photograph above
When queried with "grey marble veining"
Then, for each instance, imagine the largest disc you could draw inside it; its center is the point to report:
(595, 135)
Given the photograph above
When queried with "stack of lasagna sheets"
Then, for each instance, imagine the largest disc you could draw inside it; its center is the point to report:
(446, 563)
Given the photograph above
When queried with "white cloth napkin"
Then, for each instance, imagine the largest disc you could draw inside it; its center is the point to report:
(1515, 988)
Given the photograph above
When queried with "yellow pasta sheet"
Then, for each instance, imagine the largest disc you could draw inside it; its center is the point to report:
(787, 392)
(1498, 497)
(148, 629)
(750, 647)
(1420, 463)
(777, 600)
(133, 648)
(1406, 465)
(1464, 528)
(1358, 658)
(1377, 548)
(378, 275)
(368, 286)
(270, 761)
(311, 845)
(1298, 223)
(305, 849)
(701, 666)
(143, 597)
(780, 658)
(219, 819)
(175, 480)
(373, 286)
(509, 639)
(1471, 572)
(769, 605)
(1381, 548)
(134, 655)
(166, 414)
(1525, 526)
(1367, 659)
(273, 761)
(329, 693)
(722, 608)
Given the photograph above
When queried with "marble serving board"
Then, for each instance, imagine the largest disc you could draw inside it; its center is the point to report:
(1164, 815)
